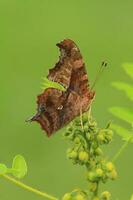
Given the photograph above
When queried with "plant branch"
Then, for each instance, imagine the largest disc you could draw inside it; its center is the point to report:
(30, 189)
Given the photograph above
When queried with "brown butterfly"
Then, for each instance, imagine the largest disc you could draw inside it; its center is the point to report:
(56, 108)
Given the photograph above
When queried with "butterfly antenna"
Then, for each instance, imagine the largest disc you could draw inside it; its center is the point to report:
(101, 69)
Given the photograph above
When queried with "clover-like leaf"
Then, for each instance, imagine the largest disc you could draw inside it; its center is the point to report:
(51, 84)
(19, 166)
(127, 88)
(132, 197)
(122, 113)
(3, 169)
(128, 67)
(124, 133)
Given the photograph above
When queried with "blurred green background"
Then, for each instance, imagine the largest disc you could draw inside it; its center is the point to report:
(29, 30)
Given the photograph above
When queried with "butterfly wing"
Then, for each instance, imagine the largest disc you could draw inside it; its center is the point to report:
(57, 108)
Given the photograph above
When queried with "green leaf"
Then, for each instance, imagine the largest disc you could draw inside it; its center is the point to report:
(128, 67)
(51, 84)
(124, 133)
(127, 88)
(122, 113)
(19, 166)
(3, 169)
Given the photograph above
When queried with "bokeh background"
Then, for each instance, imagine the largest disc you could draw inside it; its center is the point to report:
(29, 30)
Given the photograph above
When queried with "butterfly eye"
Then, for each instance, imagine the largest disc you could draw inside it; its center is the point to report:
(60, 107)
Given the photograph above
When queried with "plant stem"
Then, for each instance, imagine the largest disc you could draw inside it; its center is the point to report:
(95, 193)
(123, 147)
(30, 189)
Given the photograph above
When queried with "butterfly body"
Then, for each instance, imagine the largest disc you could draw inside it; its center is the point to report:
(57, 108)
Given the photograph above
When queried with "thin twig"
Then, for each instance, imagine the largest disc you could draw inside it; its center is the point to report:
(30, 189)
(123, 147)
(81, 119)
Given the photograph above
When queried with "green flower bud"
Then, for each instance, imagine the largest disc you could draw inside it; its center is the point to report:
(77, 140)
(101, 137)
(110, 133)
(83, 156)
(92, 125)
(67, 196)
(72, 155)
(79, 197)
(92, 163)
(108, 139)
(99, 172)
(98, 151)
(86, 128)
(94, 145)
(69, 150)
(85, 119)
(104, 178)
(92, 176)
(93, 187)
(105, 195)
(113, 175)
(88, 135)
(109, 166)
(102, 162)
